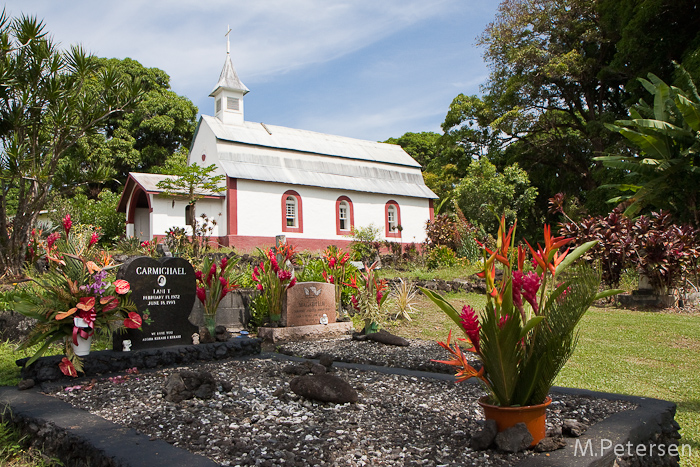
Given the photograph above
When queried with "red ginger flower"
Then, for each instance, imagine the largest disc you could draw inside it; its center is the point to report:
(67, 223)
(530, 286)
(292, 282)
(198, 275)
(284, 275)
(93, 239)
(470, 324)
(224, 263)
(51, 239)
(201, 294)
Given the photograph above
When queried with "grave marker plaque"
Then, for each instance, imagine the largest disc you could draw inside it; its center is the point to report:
(166, 288)
(308, 302)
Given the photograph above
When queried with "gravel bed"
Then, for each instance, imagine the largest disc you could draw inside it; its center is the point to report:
(255, 419)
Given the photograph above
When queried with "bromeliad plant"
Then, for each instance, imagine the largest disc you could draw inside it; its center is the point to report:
(369, 297)
(74, 298)
(273, 277)
(213, 284)
(526, 333)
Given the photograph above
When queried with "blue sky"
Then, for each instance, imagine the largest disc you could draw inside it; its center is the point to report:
(364, 69)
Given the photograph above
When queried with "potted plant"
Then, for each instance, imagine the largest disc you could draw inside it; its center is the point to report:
(213, 284)
(526, 332)
(273, 277)
(369, 297)
(73, 299)
(334, 266)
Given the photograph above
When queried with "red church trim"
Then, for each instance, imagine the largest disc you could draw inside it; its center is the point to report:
(299, 213)
(232, 206)
(351, 216)
(389, 233)
(431, 208)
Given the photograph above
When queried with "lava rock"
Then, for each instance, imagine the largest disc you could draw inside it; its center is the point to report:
(514, 439)
(304, 369)
(549, 444)
(326, 360)
(382, 337)
(324, 388)
(205, 336)
(25, 384)
(484, 438)
(573, 428)
(187, 384)
(221, 334)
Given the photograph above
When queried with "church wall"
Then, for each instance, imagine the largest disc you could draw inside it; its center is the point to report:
(169, 212)
(260, 211)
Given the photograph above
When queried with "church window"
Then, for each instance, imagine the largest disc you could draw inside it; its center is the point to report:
(232, 103)
(392, 219)
(344, 219)
(292, 220)
(218, 105)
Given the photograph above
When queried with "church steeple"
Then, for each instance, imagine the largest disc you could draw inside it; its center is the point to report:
(228, 92)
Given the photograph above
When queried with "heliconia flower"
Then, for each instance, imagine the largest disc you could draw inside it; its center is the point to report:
(67, 368)
(292, 282)
(260, 287)
(51, 239)
(471, 326)
(133, 321)
(531, 284)
(93, 239)
(121, 286)
(67, 223)
(201, 294)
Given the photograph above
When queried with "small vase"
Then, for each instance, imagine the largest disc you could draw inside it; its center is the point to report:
(83, 347)
(533, 416)
(371, 327)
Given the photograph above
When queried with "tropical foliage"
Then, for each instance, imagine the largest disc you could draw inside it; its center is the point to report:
(74, 297)
(369, 297)
(214, 282)
(526, 333)
(272, 278)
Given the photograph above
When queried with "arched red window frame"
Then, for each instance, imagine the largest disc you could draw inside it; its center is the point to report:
(351, 215)
(397, 232)
(300, 216)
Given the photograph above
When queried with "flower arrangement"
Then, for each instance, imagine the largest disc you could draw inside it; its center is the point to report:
(526, 333)
(334, 269)
(73, 298)
(369, 297)
(273, 277)
(213, 284)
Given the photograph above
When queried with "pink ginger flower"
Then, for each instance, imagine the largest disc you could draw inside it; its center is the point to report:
(471, 326)
(531, 284)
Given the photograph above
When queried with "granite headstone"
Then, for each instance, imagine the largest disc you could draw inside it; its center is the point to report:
(164, 289)
(309, 303)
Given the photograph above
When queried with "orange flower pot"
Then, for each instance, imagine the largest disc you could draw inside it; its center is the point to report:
(533, 416)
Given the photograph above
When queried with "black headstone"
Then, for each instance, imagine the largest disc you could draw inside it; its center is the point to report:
(166, 289)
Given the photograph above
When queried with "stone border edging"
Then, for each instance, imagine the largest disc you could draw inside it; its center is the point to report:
(78, 437)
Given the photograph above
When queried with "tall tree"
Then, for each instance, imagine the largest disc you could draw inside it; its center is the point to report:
(561, 70)
(49, 100)
(160, 125)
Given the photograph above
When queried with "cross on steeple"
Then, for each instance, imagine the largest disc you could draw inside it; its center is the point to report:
(228, 44)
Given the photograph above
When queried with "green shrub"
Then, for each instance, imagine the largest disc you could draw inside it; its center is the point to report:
(101, 213)
(365, 243)
(441, 256)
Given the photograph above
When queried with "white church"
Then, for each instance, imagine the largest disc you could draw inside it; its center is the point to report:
(311, 187)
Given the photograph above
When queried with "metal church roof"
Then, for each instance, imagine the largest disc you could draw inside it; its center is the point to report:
(291, 139)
